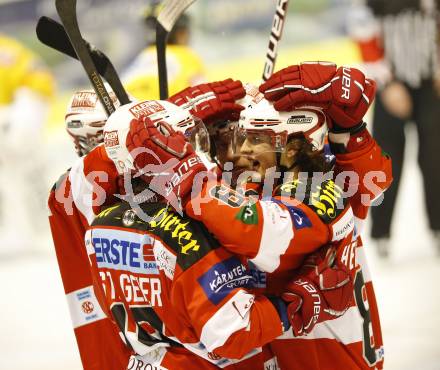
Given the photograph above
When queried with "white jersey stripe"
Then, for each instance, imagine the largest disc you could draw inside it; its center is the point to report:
(84, 307)
(276, 236)
(227, 320)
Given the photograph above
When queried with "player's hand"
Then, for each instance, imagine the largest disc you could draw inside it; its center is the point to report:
(165, 158)
(343, 93)
(321, 291)
(212, 102)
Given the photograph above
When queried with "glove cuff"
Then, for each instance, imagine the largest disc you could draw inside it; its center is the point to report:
(337, 129)
(348, 140)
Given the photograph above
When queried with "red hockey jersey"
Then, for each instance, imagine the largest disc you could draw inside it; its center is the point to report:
(72, 201)
(171, 287)
(277, 233)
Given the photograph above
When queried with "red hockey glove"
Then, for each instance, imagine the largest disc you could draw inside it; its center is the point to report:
(212, 101)
(321, 291)
(164, 157)
(344, 93)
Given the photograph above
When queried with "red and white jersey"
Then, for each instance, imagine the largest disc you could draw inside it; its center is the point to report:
(276, 234)
(354, 340)
(168, 284)
(72, 202)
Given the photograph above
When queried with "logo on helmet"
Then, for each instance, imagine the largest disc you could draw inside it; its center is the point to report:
(146, 108)
(111, 138)
(299, 120)
(84, 99)
(76, 123)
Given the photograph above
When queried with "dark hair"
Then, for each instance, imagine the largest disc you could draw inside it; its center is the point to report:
(307, 158)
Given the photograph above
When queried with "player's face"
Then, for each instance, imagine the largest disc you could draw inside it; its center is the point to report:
(259, 152)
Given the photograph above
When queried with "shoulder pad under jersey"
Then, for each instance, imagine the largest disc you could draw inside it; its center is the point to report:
(325, 198)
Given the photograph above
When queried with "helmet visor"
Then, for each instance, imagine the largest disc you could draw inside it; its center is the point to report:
(257, 140)
(198, 136)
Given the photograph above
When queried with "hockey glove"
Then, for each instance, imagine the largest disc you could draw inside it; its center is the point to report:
(322, 290)
(344, 93)
(164, 158)
(212, 102)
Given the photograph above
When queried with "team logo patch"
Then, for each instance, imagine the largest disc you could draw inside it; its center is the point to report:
(146, 108)
(87, 307)
(224, 277)
(111, 138)
(128, 218)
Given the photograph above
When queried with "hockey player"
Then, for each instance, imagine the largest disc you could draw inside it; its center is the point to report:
(165, 279)
(72, 206)
(359, 344)
(74, 202)
(354, 339)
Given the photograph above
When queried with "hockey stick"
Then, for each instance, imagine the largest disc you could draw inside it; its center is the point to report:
(170, 13)
(67, 11)
(275, 37)
(52, 34)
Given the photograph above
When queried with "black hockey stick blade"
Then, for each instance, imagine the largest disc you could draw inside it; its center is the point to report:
(67, 11)
(53, 34)
(171, 11)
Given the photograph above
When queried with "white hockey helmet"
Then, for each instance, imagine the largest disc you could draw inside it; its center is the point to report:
(261, 119)
(85, 119)
(118, 125)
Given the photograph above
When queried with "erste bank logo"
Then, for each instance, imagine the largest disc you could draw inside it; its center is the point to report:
(124, 250)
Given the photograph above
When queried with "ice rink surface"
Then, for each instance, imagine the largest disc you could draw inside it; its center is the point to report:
(35, 324)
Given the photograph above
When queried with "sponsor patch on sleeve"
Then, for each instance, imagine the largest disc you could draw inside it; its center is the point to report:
(299, 217)
(248, 214)
(343, 226)
(223, 278)
(84, 307)
(165, 259)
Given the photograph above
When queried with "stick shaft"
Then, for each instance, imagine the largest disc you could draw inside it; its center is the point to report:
(275, 36)
(67, 11)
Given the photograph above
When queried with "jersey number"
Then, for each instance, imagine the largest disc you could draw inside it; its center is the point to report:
(364, 310)
(141, 315)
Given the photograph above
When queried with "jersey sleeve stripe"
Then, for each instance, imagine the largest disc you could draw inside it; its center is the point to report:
(227, 320)
(276, 236)
(84, 307)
